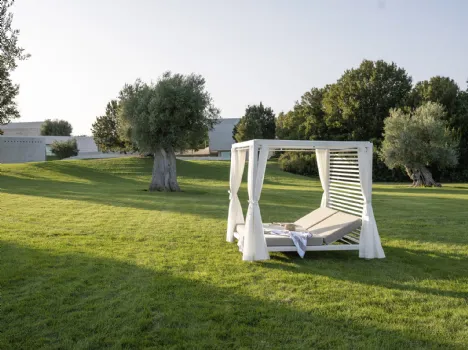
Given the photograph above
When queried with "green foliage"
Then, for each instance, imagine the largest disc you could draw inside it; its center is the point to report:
(258, 122)
(445, 91)
(438, 89)
(419, 139)
(56, 127)
(10, 52)
(357, 104)
(175, 113)
(306, 121)
(299, 163)
(64, 149)
(105, 130)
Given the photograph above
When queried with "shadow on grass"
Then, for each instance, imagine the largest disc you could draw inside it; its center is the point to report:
(197, 199)
(398, 269)
(65, 300)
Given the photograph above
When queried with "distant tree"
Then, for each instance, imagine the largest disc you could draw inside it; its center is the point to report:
(306, 121)
(438, 89)
(257, 123)
(170, 116)
(416, 141)
(10, 52)
(56, 128)
(446, 91)
(105, 130)
(357, 104)
(64, 149)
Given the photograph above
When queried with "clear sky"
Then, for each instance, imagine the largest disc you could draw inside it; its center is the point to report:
(84, 51)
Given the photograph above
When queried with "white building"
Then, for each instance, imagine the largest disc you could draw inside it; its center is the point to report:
(22, 129)
(22, 149)
(19, 138)
(220, 138)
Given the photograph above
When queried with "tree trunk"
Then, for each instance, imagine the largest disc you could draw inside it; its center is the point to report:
(164, 171)
(421, 176)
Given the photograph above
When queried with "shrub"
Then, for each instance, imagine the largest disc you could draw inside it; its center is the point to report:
(299, 163)
(65, 149)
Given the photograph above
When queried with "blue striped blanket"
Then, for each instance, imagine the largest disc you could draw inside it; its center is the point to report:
(299, 239)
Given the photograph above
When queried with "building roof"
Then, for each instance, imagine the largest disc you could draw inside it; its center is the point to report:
(220, 137)
(21, 125)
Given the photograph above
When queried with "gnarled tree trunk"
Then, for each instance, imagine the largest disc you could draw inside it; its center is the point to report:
(164, 171)
(421, 176)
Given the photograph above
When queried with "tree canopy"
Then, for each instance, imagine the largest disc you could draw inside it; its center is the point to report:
(10, 53)
(65, 149)
(306, 121)
(56, 127)
(417, 140)
(258, 122)
(105, 130)
(357, 104)
(174, 114)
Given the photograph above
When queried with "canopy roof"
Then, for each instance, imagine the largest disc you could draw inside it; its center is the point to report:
(301, 144)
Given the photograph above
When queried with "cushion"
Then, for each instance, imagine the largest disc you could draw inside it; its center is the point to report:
(315, 217)
(336, 227)
(278, 241)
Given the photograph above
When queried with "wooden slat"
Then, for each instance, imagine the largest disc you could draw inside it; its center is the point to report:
(341, 173)
(346, 194)
(353, 186)
(340, 198)
(348, 168)
(342, 207)
(343, 179)
(351, 205)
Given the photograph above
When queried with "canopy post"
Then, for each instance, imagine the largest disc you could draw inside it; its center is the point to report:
(370, 246)
(235, 215)
(253, 245)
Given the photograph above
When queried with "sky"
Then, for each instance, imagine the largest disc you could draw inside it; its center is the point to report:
(84, 51)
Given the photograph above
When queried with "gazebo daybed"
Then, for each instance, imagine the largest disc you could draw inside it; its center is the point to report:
(345, 219)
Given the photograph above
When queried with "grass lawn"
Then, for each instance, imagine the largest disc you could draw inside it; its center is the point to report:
(90, 260)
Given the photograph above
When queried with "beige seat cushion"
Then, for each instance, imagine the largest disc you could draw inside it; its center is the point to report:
(277, 240)
(314, 217)
(335, 227)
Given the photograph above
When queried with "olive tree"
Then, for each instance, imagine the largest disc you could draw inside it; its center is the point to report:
(172, 115)
(415, 141)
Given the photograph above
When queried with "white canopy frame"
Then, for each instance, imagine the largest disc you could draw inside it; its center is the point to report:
(345, 170)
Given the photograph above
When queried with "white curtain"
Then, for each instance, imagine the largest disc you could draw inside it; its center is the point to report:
(323, 163)
(369, 242)
(254, 245)
(235, 209)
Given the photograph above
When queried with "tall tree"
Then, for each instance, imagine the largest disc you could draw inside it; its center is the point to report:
(56, 127)
(105, 130)
(10, 53)
(257, 123)
(418, 140)
(438, 89)
(357, 104)
(172, 115)
(445, 91)
(306, 121)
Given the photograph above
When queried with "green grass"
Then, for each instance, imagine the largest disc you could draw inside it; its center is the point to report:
(90, 260)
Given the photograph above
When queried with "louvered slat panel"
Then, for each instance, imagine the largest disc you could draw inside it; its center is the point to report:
(345, 192)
